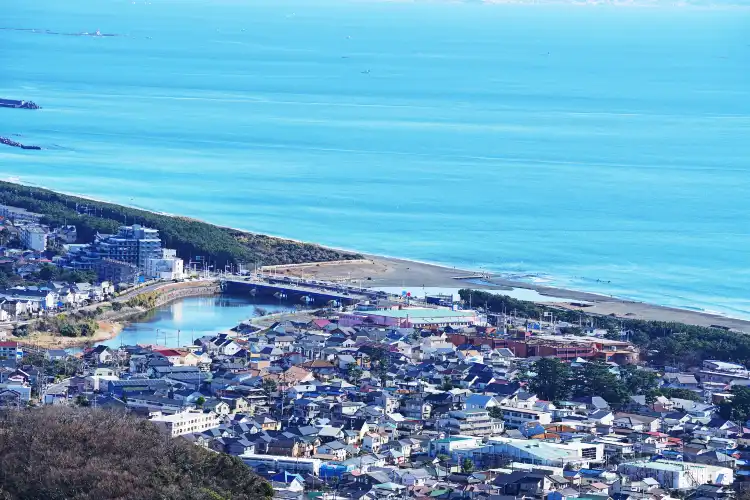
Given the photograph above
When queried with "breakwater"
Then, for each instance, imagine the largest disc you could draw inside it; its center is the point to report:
(16, 104)
(16, 144)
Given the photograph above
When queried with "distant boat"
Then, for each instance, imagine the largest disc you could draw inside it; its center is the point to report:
(366, 72)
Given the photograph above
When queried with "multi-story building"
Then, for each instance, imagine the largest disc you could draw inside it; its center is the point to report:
(168, 266)
(515, 418)
(132, 244)
(10, 350)
(471, 423)
(577, 454)
(34, 237)
(120, 257)
(187, 422)
(677, 475)
(19, 214)
(115, 271)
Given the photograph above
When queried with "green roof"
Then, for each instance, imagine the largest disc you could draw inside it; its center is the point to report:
(451, 439)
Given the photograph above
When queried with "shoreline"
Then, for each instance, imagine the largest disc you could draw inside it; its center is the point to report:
(384, 272)
(112, 323)
(415, 273)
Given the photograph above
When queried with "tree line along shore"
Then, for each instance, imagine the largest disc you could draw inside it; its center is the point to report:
(218, 245)
(661, 342)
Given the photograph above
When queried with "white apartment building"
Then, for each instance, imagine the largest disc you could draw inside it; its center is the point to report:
(187, 422)
(168, 266)
(471, 423)
(34, 237)
(515, 418)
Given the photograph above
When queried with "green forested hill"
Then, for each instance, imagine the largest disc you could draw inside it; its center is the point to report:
(189, 237)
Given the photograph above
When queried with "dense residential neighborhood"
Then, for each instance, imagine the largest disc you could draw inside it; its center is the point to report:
(452, 411)
(378, 396)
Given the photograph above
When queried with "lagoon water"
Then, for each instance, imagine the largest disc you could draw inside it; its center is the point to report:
(179, 323)
(602, 148)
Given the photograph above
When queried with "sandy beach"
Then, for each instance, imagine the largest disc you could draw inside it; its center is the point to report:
(378, 272)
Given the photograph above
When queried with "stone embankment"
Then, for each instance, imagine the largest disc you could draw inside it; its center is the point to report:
(164, 295)
(193, 290)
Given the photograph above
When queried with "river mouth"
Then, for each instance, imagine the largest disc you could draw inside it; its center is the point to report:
(180, 322)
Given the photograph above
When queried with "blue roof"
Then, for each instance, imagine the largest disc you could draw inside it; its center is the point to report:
(591, 472)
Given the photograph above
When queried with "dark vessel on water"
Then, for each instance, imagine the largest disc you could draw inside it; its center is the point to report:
(15, 144)
(12, 103)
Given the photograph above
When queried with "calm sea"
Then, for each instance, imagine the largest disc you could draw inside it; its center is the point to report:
(602, 148)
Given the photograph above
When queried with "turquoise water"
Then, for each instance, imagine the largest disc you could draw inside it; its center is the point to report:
(596, 147)
(179, 323)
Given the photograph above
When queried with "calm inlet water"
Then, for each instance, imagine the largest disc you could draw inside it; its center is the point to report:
(193, 317)
(596, 147)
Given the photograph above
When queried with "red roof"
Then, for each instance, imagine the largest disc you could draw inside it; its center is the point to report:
(8, 344)
(168, 352)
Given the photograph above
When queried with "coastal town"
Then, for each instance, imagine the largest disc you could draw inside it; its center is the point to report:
(361, 394)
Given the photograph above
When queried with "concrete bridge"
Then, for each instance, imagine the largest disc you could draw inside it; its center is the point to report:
(289, 291)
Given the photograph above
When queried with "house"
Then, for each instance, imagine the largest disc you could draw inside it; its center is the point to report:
(410, 477)
(602, 417)
(55, 354)
(336, 449)
(372, 442)
(100, 355)
(592, 403)
(10, 398)
(319, 367)
(640, 423)
(238, 446)
(480, 402)
(289, 447)
(524, 483)
(173, 356)
(681, 381)
(217, 406)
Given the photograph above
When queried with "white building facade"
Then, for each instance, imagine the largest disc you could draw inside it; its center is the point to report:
(187, 422)
(677, 475)
(167, 267)
(34, 237)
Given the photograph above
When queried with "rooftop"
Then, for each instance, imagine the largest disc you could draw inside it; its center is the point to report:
(670, 465)
(420, 313)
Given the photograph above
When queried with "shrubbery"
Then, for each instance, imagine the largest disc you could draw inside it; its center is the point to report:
(58, 453)
(146, 300)
(69, 325)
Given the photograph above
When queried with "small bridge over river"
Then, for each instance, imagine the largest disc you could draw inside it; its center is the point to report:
(285, 290)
